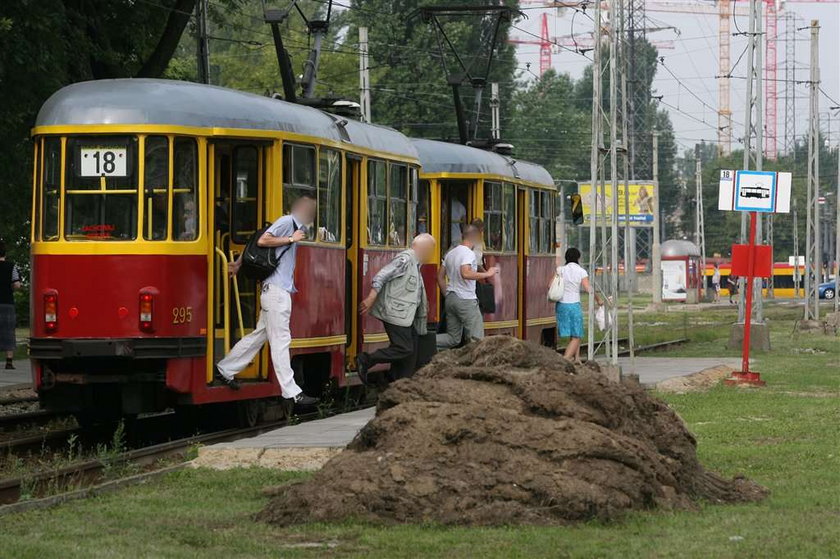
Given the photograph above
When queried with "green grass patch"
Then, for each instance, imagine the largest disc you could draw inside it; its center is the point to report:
(784, 436)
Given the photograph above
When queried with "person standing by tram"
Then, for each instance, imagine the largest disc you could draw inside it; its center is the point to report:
(398, 298)
(9, 282)
(462, 311)
(276, 306)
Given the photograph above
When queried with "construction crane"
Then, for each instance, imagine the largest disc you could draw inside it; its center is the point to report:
(581, 42)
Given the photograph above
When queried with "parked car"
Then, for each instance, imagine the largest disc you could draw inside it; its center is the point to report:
(826, 290)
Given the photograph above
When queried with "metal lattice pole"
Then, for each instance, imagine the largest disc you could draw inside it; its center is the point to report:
(753, 144)
(699, 227)
(614, 180)
(790, 85)
(812, 231)
(594, 167)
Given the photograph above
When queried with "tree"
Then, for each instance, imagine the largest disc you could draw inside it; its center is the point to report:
(549, 129)
(46, 44)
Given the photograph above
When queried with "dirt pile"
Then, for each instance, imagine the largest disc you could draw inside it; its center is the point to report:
(507, 432)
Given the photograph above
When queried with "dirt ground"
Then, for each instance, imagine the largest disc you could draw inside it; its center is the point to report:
(506, 432)
(697, 382)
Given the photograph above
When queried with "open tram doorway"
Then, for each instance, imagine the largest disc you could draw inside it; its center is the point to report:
(238, 171)
(456, 212)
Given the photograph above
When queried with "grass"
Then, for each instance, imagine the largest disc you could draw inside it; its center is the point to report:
(785, 436)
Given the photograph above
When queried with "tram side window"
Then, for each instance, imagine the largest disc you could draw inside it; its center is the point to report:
(377, 200)
(246, 170)
(398, 205)
(493, 216)
(329, 196)
(51, 188)
(541, 212)
(156, 188)
(100, 188)
(423, 199)
(299, 178)
(184, 182)
(509, 217)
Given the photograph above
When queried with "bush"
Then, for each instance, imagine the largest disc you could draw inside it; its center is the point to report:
(22, 306)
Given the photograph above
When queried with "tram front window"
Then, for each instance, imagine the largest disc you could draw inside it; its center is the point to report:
(101, 188)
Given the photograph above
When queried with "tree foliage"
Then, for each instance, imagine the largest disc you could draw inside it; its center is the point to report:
(46, 44)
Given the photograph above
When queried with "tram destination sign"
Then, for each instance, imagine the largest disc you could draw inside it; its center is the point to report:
(754, 191)
(102, 161)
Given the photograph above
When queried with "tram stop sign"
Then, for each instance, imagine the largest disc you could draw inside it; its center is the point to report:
(753, 192)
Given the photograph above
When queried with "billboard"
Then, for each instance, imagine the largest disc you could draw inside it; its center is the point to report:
(641, 203)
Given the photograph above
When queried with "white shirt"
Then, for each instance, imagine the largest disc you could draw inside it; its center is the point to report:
(455, 258)
(573, 274)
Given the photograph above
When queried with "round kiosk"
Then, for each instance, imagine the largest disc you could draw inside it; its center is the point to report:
(680, 265)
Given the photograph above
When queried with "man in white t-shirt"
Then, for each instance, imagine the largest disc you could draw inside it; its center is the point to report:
(462, 312)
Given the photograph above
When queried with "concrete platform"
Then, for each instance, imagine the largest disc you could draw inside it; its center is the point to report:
(21, 375)
(308, 446)
(653, 370)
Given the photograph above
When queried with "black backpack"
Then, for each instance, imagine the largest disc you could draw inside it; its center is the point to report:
(260, 262)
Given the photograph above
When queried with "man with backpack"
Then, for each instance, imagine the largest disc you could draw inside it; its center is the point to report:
(275, 304)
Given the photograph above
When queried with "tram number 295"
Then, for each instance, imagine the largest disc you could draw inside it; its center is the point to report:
(181, 315)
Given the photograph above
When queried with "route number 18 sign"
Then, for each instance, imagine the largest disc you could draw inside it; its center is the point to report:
(754, 191)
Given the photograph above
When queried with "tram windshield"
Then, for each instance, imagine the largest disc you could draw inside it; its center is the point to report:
(90, 188)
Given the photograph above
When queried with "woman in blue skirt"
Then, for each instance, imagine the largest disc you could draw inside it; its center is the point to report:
(568, 310)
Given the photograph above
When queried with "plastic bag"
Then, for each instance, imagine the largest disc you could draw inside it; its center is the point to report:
(602, 317)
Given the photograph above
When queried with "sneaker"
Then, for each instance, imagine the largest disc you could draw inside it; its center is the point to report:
(304, 400)
(362, 366)
(231, 383)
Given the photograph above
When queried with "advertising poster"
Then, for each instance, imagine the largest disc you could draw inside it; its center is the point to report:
(673, 280)
(641, 203)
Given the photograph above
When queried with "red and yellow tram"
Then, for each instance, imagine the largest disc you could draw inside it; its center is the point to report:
(145, 190)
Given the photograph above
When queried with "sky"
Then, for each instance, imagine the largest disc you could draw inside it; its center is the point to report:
(690, 89)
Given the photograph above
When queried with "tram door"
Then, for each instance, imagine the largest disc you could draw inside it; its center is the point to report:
(455, 212)
(239, 173)
(352, 276)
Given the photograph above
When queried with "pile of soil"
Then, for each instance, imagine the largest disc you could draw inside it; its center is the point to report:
(507, 432)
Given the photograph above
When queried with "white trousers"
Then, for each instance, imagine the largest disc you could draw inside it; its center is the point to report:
(273, 327)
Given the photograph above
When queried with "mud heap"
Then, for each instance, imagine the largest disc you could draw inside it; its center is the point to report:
(507, 432)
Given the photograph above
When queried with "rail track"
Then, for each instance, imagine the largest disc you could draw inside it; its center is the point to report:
(89, 472)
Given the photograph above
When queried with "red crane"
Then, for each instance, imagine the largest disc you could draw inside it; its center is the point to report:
(544, 43)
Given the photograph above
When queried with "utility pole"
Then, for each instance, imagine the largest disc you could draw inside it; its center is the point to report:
(629, 245)
(753, 141)
(837, 239)
(813, 269)
(655, 252)
(614, 178)
(594, 167)
(699, 227)
(495, 116)
(364, 75)
(797, 279)
(202, 43)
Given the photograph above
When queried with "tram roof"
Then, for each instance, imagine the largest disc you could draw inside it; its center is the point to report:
(179, 103)
(443, 157)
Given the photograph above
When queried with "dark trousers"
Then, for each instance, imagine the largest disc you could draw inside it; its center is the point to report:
(401, 353)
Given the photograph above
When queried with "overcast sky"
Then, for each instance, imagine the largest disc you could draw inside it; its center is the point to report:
(693, 88)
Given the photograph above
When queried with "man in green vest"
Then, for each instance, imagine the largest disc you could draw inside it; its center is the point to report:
(398, 298)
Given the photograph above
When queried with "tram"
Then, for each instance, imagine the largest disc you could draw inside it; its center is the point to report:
(145, 190)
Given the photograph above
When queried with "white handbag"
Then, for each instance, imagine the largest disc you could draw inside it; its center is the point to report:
(558, 285)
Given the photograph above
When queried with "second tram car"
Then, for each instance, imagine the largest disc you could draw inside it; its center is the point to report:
(145, 190)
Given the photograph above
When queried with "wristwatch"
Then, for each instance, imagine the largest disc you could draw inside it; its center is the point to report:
(291, 240)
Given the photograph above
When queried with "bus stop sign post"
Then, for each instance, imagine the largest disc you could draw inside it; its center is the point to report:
(752, 191)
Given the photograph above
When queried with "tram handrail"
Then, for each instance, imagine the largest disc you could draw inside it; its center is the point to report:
(238, 303)
(226, 290)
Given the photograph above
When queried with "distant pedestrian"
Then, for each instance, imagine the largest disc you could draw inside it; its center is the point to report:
(9, 282)
(398, 298)
(716, 282)
(460, 268)
(732, 283)
(568, 310)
